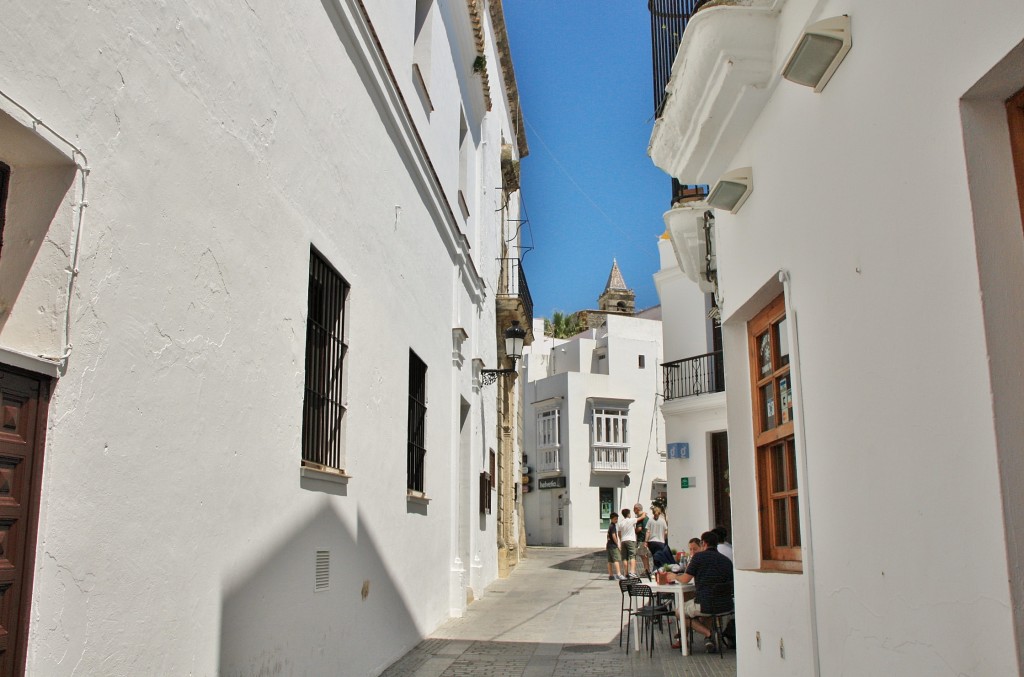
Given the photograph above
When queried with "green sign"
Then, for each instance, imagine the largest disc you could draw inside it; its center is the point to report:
(687, 482)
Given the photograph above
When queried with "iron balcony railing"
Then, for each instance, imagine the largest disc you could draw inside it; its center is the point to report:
(668, 21)
(513, 285)
(694, 376)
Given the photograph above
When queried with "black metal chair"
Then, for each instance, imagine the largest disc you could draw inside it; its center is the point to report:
(650, 612)
(626, 603)
(723, 605)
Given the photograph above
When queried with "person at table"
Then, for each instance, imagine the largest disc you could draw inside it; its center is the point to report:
(627, 537)
(657, 535)
(708, 569)
(614, 554)
(642, 551)
(724, 546)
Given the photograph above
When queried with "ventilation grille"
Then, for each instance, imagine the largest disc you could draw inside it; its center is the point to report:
(323, 571)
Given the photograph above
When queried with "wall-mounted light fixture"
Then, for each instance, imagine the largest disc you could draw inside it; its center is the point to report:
(818, 52)
(515, 337)
(732, 190)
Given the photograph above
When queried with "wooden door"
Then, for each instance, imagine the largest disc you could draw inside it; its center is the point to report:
(22, 420)
(720, 480)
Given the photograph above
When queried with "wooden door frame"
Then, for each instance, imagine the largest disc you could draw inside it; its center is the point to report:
(46, 384)
(1015, 119)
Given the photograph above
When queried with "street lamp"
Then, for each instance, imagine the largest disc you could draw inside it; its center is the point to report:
(515, 337)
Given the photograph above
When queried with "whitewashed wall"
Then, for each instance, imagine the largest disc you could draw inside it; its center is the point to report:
(864, 195)
(176, 536)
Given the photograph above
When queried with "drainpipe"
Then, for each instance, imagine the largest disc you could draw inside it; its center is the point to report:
(801, 435)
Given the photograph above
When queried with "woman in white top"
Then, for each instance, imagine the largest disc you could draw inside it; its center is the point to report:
(657, 534)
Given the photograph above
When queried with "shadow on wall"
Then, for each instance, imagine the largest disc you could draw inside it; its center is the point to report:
(274, 622)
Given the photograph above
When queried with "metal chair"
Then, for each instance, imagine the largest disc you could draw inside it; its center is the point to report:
(724, 605)
(649, 612)
(626, 603)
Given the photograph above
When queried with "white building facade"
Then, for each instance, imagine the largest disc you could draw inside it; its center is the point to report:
(592, 429)
(693, 404)
(249, 279)
(869, 262)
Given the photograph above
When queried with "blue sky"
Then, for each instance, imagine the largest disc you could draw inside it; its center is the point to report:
(590, 191)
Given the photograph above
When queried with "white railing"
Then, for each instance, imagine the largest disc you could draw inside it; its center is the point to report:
(611, 458)
(548, 461)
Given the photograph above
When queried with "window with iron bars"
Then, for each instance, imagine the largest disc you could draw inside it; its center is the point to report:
(323, 407)
(416, 452)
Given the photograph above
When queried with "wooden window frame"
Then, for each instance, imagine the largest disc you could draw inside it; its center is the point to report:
(416, 451)
(1015, 119)
(323, 406)
(773, 487)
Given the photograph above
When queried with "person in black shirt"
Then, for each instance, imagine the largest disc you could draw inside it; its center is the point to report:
(711, 573)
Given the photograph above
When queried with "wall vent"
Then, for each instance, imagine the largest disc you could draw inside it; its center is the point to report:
(323, 571)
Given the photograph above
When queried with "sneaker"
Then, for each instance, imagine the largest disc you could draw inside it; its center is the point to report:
(709, 646)
(619, 577)
(611, 577)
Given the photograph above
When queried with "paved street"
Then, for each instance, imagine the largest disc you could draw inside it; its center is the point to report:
(556, 616)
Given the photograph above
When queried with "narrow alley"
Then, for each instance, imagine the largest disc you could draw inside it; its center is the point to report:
(557, 615)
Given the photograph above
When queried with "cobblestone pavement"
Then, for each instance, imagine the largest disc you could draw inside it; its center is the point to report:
(557, 615)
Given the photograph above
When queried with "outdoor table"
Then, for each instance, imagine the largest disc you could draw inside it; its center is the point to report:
(677, 589)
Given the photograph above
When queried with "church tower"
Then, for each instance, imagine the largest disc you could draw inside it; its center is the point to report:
(617, 297)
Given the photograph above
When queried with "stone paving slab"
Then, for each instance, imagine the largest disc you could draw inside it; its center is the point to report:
(557, 615)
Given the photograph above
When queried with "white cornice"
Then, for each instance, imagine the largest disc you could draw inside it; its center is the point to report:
(373, 63)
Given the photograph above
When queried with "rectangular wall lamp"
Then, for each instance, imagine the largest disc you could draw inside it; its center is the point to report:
(732, 190)
(818, 52)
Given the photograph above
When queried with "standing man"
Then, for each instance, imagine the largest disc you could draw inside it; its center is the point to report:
(627, 536)
(642, 521)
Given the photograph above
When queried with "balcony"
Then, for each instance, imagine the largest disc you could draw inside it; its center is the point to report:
(548, 460)
(694, 376)
(513, 296)
(610, 459)
(721, 78)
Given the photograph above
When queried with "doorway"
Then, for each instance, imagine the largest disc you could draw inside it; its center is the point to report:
(720, 480)
(23, 400)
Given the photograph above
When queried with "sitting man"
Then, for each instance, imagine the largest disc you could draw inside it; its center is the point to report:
(711, 573)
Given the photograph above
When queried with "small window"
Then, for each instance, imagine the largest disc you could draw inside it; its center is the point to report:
(641, 361)
(5, 178)
(323, 407)
(416, 452)
(494, 467)
(610, 427)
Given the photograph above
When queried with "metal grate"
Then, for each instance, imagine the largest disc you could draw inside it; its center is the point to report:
(322, 574)
(417, 422)
(322, 407)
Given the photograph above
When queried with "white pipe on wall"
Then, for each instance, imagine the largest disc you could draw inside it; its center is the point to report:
(801, 435)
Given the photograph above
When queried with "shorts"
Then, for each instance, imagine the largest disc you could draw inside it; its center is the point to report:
(613, 553)
(691, 609)
(628, 550)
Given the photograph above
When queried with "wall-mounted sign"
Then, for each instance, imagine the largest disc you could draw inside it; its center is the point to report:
(679, 450)
(687, 482)
(551, 483)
